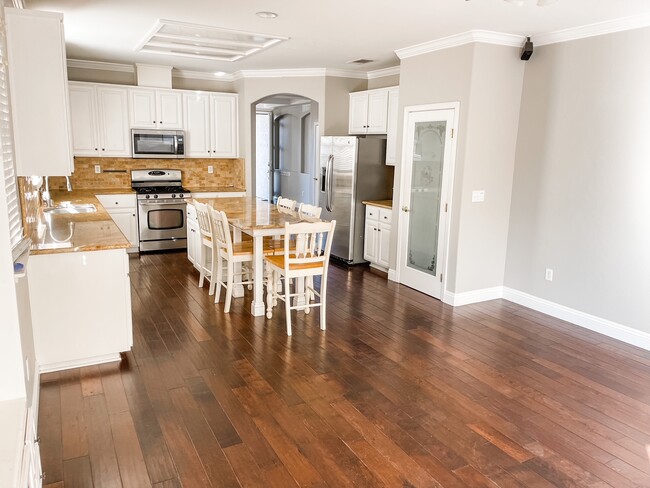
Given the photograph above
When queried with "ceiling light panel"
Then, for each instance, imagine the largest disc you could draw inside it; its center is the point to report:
(205, 42)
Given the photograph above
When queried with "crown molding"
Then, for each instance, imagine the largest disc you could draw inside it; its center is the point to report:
(380, 73)
(592, 30)
(81, 63)
(486, 37)
(238, 75)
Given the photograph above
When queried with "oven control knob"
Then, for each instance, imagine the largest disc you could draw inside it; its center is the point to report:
(155, 196)
(173, 195)
(148, 196)
(181, 195)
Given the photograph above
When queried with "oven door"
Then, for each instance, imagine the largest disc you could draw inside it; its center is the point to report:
(160, 221)
(157, 144)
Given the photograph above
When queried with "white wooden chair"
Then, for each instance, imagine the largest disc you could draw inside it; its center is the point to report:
(285, 204)
(205, 230)
(306, 211)
(224, 250)
(309, 258)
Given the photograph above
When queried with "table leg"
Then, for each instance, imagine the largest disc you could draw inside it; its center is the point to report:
(238, 288)
(257, 307)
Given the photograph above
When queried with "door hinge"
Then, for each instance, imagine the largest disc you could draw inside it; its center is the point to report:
(446, 205)
(452, 133)
(440, 277)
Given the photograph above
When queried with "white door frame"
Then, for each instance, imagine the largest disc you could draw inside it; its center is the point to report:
(455, 106)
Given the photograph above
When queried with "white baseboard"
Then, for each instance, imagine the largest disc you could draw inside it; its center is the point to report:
(392, 275)
(597, 324)
(475, 296)
(582, 319)
(79, 363)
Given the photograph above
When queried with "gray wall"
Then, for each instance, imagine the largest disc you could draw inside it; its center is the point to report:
(582, 169)
(486, 80)
(383, 82)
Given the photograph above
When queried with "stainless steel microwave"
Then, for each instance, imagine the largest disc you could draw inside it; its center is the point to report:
(157, 144)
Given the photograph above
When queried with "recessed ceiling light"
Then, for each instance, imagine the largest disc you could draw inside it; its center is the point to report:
(219, 73)
(266, 15)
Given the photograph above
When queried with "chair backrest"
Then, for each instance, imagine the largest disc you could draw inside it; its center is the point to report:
(312, 240)
(220, 230)
(285, 204)
(309, 211)
(203, 218)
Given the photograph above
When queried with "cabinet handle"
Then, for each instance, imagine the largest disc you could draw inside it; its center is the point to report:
(378, 230)
(103, 149)
(154, 121)
(161, 121)
(95, 149)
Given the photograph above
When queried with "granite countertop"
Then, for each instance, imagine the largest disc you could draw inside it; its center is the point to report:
(217, 189)
(379, 203)
(94, 231)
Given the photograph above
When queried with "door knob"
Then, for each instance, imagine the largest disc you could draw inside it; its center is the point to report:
(405, 208)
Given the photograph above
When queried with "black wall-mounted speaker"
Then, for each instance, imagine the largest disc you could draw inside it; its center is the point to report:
(527, 50)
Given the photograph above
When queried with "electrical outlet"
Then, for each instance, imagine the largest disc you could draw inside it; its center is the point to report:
(98, 169)
(549, 274)
(478, 196)
(210, 169)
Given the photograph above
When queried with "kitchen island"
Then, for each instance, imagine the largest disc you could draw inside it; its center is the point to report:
(79, 284)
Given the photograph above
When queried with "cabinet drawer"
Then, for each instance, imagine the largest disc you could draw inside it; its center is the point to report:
(372, 213)
(385, 215)
(117, 201)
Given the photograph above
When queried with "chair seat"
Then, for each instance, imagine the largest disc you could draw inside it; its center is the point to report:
(278, 260)
(246, 247)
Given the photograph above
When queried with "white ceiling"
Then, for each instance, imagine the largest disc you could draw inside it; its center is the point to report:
(323, 34)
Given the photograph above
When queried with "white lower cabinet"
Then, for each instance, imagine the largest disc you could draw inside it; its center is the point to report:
(376, 246)
(122, 209)
(193, 239)
(85, 318)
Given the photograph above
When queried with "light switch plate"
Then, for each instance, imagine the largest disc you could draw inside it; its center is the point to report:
(98, 169)
(548, 276)
(478, 196)
(210, 169)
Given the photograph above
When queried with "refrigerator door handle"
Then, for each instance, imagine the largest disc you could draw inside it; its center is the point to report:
(328, 182)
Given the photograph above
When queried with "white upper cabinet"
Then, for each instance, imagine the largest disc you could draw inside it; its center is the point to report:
(391, 129)
(151, 108)
(38, 78)
(225, 140)
(100, 122)
(369, 112)
(210, 125)
(196, 113)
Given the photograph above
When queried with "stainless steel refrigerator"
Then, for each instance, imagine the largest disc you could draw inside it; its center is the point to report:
(352, 169)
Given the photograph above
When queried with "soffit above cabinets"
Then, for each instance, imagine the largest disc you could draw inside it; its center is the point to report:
(173, 38)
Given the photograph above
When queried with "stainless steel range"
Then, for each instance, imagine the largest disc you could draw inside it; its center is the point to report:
(162, 205)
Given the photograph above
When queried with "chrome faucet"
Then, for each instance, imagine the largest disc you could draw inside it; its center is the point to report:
(47, 198)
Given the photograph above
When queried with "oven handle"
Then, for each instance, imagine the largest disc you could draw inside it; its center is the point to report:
(160, 203)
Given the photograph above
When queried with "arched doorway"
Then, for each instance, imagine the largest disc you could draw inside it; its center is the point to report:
(285, 147)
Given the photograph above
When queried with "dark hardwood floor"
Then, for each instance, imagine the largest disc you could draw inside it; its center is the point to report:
(401, 391)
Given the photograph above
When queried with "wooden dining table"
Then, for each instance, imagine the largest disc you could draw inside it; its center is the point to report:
(258, 219)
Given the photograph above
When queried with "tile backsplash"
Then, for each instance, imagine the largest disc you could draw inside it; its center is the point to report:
(116, 172)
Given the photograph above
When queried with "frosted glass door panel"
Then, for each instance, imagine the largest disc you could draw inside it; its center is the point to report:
(426, 184)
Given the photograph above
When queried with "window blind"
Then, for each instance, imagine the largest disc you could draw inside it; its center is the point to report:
(7, 153)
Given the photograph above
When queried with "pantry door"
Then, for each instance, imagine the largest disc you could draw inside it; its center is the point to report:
(426, 176)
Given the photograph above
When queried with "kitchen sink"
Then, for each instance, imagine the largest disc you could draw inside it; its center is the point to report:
(71, 209)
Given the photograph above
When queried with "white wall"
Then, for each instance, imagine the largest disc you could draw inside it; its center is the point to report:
(579, 201)
(486, 80)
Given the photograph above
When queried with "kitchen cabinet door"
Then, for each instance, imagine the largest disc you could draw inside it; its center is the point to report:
(169, 109)
(391, 127)
(113, 122)
(142, 108)
(377, 112)
(127, 222)
(383, 245)
(370, 242)
(196, 116)
(224, 125)
(83, 114)
(358, 113)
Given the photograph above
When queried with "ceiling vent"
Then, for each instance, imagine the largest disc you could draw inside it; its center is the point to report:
(204, 42)
(361, 61)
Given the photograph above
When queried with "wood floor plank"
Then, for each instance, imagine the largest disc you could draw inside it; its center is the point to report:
(400, 391)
